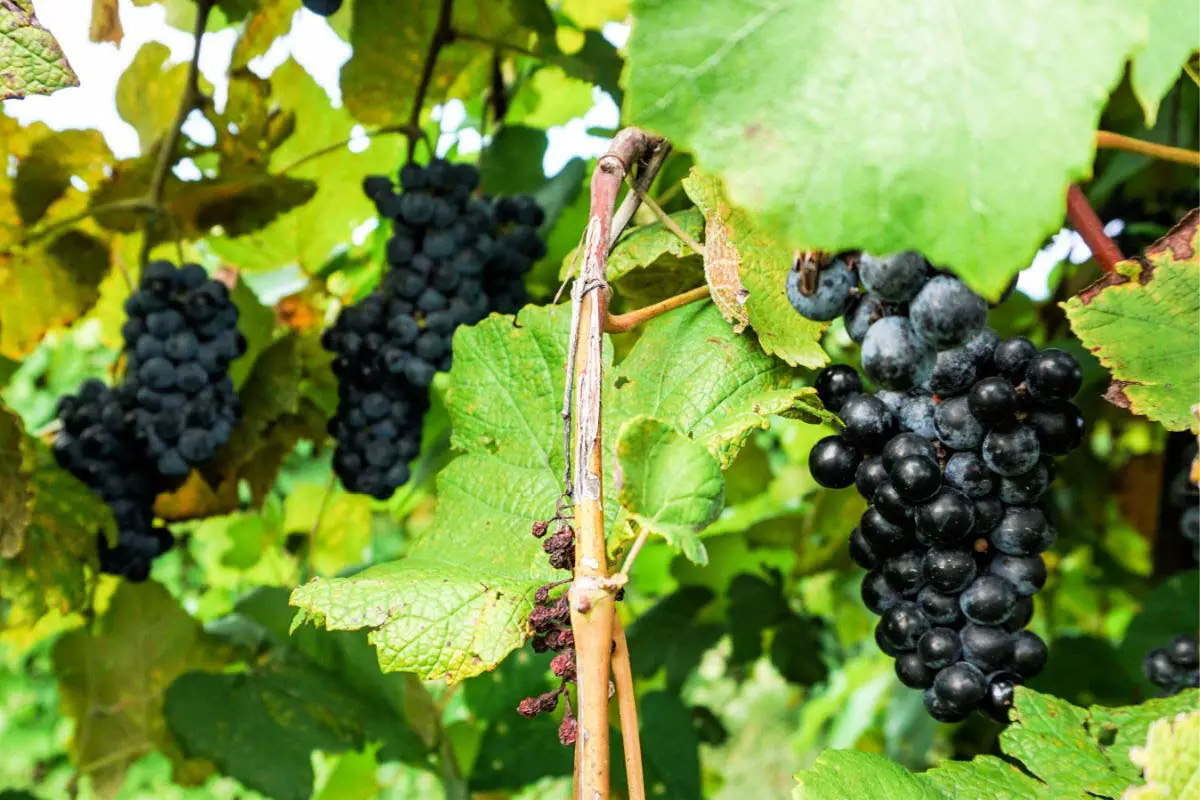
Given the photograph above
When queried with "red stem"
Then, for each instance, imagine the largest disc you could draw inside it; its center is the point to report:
(1084, 220)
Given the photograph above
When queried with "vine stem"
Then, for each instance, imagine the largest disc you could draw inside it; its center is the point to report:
(1107, 140)
(591, 595)
(166, 153)
(1084, 220)
(631, 739)
(618, 323)
(442, 36)
(666, 220)
(467, 36)
(404, 128)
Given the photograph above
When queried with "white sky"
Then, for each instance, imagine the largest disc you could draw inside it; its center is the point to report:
(321, 52)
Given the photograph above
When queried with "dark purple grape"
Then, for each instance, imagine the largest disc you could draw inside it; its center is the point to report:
(988, 648)
(1022, 531)
(960, 687)
(835, 384)
(868, 422)
(1012, 356)
(1053, 375)
(894, 278)
(833, 462)
(1012, 450)
(905, 573)
(993, 401)
(1029, 654)
(1026, 574)
(945, 313)
(869, 475)
(946, 519)
(894, 357)
(989, 600)
(966, 472)
(830, 297)
(939, 648)
(916, 478)
(903, 625)
(912, 672)
(877, 594)
(949, 571)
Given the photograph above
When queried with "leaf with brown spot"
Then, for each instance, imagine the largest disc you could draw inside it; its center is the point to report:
(1143, 324)
(31, 60)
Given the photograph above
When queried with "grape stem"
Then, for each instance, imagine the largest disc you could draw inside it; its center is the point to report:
(618, 323)
(666, 220)
(592, 599)
(1083, 219)
(631, 743)
(442, 36)
(1107, 140)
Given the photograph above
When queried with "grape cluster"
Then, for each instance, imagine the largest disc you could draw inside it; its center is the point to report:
(175, 407)
(1175, 667)
(953, 454)
(453, 258)
(1184, 497)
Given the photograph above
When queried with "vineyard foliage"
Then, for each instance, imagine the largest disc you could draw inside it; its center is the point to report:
(301, 640)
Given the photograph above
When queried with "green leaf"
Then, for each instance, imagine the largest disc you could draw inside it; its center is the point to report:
(1143, 323)
(669, 484)
(763, 264)
(347, 776)
(550, 98)
(112, 680)
(43, 179)
(46, 286)
(34, 62)
(148, 92)
(1167, 610)
(16, 495)
(671, 749)
(1158, 62)
(261, 726)
(512, 163)
(1169, 760)
(381, 77)
(773, 98)
(307, 235)
(51, 570)
(842, 774)
(1052, 750)
(653, 245)
(473, 573)
(339, 524)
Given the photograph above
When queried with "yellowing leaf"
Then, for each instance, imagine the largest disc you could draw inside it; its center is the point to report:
(32, 60)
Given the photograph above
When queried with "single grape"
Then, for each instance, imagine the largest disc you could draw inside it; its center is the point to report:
(1053, 375)
(998, 698)
(831, 296)
(1022, 531)
(946, 519)
(956, 426)
(323, 7)
(993, 401)
(890, 505)
(882, 643)
(1012, 356)
(945, 313)
(1029, 654)
(882, 535)
(1022, 614)
(941, 710)
(861, 552)
(894, 278)
(916, 478)
(989, 600)
(868, 422)
(877, 594)
(905, 573)
(940, 609)
(894, 357)
(893, 400)
(988, 513)
(939, 648)
(903, 625)
(862, 315)
(988, 648)
(1059, 427)
(1183, 652)
(917, 416)
(835, 384)
(966, 472)
(833, 462)
(949, 571)
(982, 347)
(912, 672)
(960, 687)
(953, 373)
(1025, 489)
(1012, 450)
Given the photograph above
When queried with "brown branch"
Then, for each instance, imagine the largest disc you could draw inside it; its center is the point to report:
(592, 595)
(1107, 140)
(631, 740)
(166, 153)
(1083, 219)
(641, 184)
(442, 36)
(618, 323)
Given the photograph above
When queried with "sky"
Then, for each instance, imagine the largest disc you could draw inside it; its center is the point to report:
(314, 45)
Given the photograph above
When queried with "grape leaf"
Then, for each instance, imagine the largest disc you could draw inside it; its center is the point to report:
(381, 77)
(16, 495)
(339, 523)
(763, 267)
(33, 60)
(1157, 63)
(512, 162)
(50, 571)
(46, 286)
(347, 776)
(148, 92)
(46, 172)
(774, 99)
(472, 575)
(669, 484)
(1170, 760)
(308, 234)
(112, 680)
(261, 726)
(270, 20)
(671, 748)
(1143, 323)
(1052, 749)
(106, 22)
(649, 246)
